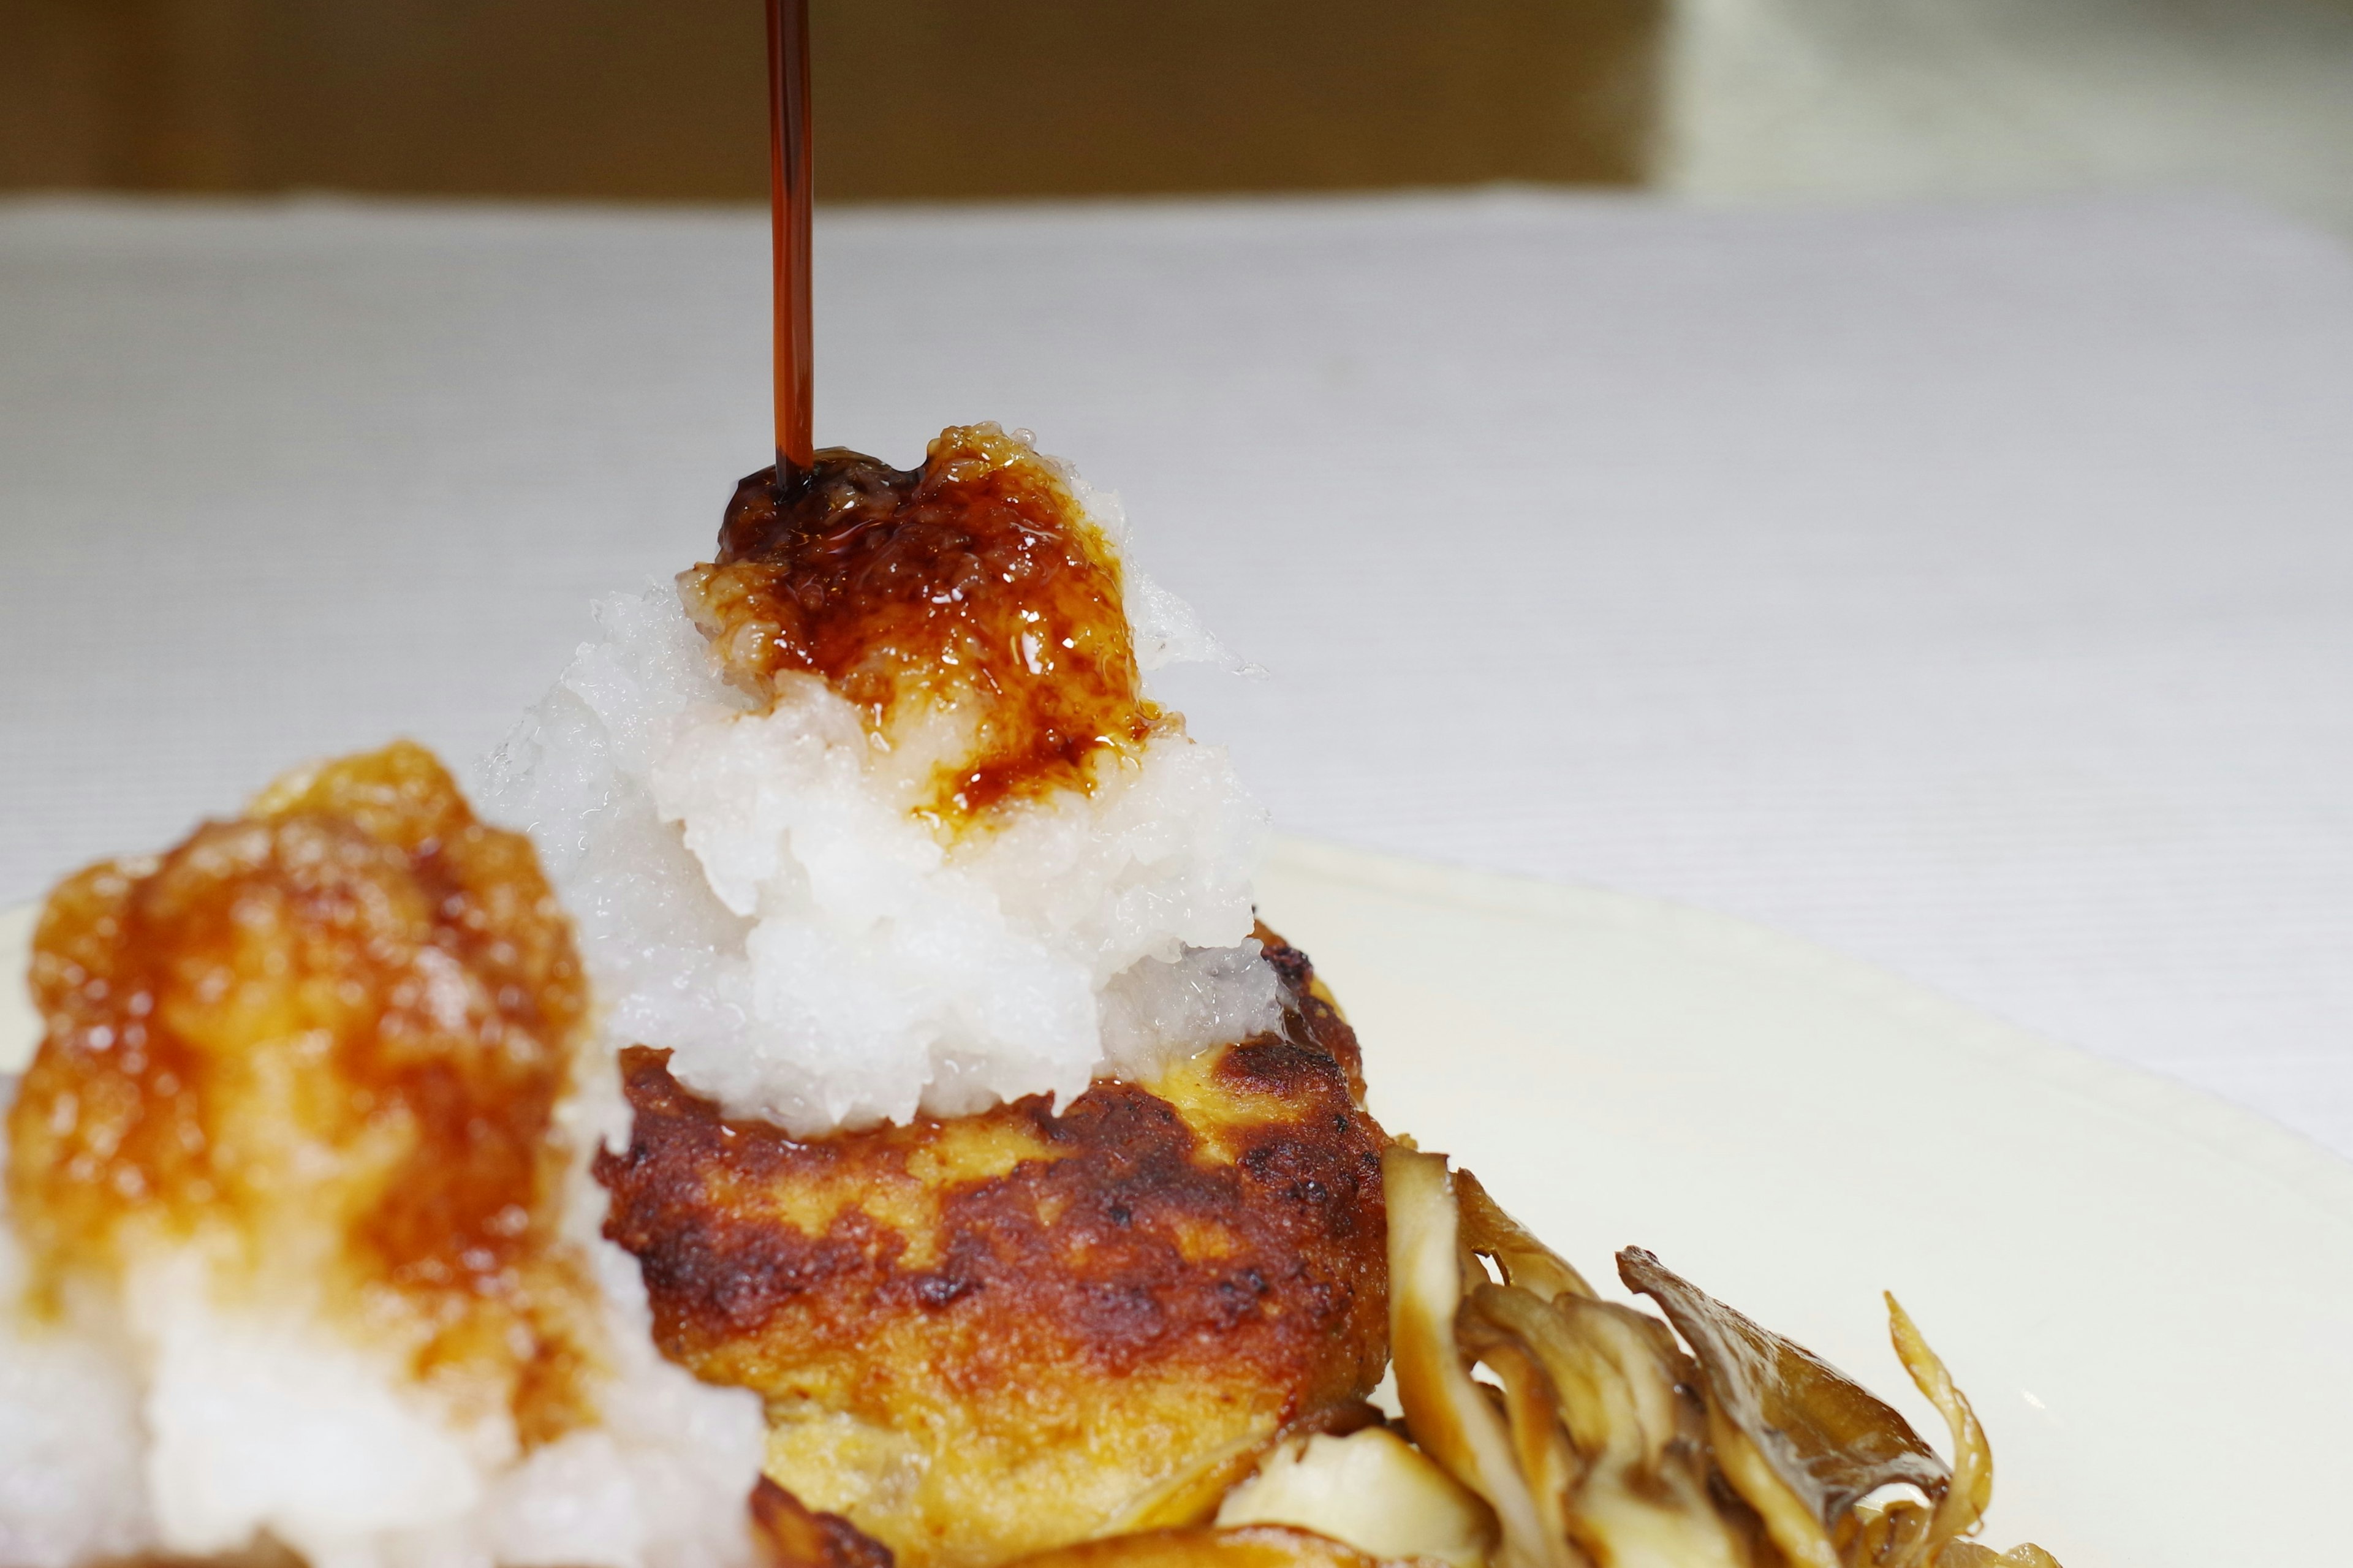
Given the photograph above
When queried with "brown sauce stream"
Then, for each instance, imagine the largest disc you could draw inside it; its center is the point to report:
(791, 181)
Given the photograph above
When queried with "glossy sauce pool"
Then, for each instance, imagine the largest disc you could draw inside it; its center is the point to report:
(975, 580)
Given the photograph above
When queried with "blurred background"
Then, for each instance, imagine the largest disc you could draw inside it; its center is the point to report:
(1731, 100)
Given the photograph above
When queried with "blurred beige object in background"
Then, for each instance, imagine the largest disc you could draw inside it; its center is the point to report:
(1716, 100)
(1853, 99)
(916, 98)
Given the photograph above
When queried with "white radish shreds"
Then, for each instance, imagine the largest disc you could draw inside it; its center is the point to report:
(71, 1484)
(1156, 1011)
(753, 892)
(178, 1417)
(1164, 628)
(662, 1480)
(257, 1417)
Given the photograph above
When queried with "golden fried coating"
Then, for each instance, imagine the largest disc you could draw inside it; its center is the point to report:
(322, 1046)
(995, 1334)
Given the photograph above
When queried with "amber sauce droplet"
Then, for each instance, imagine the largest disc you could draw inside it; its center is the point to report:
(357, 969)
(975, 582)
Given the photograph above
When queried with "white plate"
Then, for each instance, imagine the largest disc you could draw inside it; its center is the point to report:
(2147, 1292)
(20, 1026)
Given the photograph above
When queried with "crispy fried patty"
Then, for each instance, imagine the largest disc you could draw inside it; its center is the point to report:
(992, 1335)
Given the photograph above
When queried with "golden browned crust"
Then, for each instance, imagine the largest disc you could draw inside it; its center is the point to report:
(991, 1334)
(1318, 1021)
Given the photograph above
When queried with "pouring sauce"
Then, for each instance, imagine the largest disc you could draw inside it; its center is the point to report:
(791, 172)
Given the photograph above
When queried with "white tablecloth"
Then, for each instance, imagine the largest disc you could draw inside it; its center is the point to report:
(1967, 589)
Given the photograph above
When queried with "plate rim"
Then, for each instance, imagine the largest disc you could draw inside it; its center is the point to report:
(2308, 1171)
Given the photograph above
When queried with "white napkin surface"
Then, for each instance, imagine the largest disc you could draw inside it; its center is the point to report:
(1969, 588)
